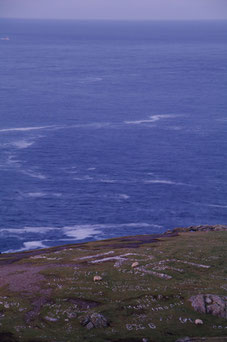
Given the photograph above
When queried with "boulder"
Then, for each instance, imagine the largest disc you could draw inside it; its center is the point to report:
(94, 320)
(135, 264)
(210, 304)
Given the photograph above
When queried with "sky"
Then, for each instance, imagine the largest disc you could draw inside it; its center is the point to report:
(115, 9)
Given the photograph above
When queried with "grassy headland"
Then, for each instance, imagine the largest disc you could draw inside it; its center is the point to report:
(141, 293)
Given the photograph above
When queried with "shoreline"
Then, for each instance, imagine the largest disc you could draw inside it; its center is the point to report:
(134, 240)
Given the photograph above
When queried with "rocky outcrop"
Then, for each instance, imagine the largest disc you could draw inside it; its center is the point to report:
(94, 320)
(201, 228)
(210, 304)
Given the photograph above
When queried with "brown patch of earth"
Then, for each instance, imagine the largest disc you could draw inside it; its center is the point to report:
(136, 241)
(22, 278)
(37, 304)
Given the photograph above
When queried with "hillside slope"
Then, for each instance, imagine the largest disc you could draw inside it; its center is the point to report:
(141, 288)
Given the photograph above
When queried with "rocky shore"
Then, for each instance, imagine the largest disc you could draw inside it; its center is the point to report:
(147, 288)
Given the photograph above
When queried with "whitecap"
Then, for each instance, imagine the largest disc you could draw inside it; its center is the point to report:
(22, 143)
(138, 122)
(68, 233)
(36, 194)
(34, 174)
(217, 206)
(159, 181)
(25, 129)
(124, 196)
(163, 116)
(163, 181)
(43, 194)
(12, 161)
(152, 118)
(107, 180)
(33, 245)
(112, 225)
(81, 232)
(28, 245)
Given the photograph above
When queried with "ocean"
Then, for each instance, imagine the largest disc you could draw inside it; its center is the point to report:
(110, 129)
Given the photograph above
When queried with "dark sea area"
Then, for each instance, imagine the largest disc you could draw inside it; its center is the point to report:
(110, 129)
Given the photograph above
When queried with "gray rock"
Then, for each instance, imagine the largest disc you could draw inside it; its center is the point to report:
(90, 326)
(184, 339)
(198, 303)
(208, 300)
(211, 304)
(94, 320)
(201, 228)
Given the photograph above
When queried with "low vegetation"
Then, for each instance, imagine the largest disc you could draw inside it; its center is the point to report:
(126, 289)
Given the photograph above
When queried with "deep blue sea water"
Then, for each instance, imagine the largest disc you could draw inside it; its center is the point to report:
(110, 129)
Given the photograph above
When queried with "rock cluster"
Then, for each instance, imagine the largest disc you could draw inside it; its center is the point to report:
(210, 304)
(94, 320)
(201, 228)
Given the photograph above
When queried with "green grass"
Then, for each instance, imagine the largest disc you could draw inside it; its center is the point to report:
(137, 305)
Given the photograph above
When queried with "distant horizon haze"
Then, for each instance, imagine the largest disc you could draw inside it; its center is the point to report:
(115, 10)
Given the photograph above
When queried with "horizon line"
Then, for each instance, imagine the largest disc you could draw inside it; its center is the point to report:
(101, 19)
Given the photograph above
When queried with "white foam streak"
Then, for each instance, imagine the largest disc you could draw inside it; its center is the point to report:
(34, 174)
(217, 206)
(152, 118)
(81, 233)
(33, 244)
(83, 230)
(43, 194)
(36, 194)
(25, 230)
(159, 181)
(124, 196)
(107, 181)
(138, 122)
(25, 129)
(163, 181)
(28, 246)
(68, 233)
(22, 144)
